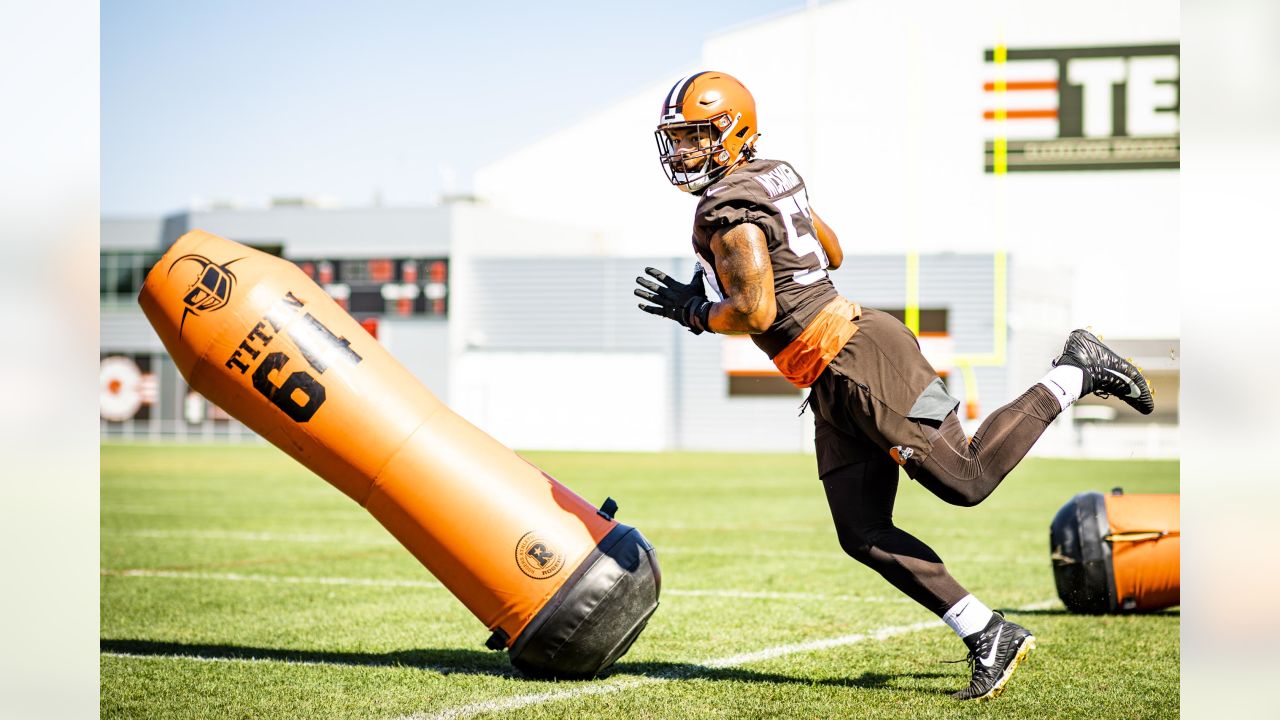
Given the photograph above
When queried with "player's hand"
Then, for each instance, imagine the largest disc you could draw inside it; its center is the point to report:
(686, 304)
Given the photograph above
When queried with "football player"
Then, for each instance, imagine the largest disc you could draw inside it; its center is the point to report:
(877, 403)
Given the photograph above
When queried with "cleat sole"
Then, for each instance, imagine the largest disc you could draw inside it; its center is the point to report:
(1024, 650)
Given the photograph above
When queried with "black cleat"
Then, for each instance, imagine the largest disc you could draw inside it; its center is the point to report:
(1105, 372)
(994, 653)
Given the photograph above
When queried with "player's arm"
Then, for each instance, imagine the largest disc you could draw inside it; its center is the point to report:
(830, 243)
(746, 275)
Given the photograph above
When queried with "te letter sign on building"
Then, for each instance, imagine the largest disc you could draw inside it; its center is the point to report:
(1086, 108)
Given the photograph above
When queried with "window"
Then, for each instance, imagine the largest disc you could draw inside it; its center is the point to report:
(383, 286)
(120, 275)
(761, 385)
(933, 321)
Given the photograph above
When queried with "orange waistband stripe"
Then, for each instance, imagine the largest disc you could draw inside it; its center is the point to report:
(808, 355)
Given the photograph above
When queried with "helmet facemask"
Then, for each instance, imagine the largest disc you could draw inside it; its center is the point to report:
(713, 117)
(694, 170)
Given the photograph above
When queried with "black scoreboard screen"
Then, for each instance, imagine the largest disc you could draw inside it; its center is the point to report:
(384, 286)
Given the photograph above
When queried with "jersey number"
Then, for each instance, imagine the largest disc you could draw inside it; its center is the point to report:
(794, 210)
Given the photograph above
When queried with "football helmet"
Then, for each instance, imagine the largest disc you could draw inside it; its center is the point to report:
(706, 127)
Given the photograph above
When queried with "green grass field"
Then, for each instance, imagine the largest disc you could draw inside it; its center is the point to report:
(235, 584)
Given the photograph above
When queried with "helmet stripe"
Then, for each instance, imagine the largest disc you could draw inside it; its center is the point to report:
(685, 87)
(675, 96)
(668, 103)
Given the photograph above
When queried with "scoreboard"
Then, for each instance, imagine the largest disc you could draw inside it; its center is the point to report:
(383, 286)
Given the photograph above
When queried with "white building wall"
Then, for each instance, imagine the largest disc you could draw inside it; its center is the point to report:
(566, 400)
(879, 106)
(422, 346)
(600, 173)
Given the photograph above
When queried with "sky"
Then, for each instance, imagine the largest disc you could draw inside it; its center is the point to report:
(387, 100)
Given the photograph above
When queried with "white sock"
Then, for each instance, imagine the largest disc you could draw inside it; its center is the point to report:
(1065, 382)
(967, 616)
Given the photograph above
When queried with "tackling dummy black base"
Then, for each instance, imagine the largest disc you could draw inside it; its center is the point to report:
(1081, 556)
(593, 619)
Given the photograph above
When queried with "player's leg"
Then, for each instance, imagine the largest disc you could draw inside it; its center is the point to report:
(861, 496)
(964, 471)
(861, 482)
(892, 395)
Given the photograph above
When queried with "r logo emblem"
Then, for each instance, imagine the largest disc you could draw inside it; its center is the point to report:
(537, 557)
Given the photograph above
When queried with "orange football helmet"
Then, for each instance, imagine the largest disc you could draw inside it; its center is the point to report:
(721, 113)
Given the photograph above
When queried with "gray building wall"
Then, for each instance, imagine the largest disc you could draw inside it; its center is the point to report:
(127, 330)
(540, 304)
(335, 233)
(131, 234)
(587, 305)
(561, 304)
(422, 346)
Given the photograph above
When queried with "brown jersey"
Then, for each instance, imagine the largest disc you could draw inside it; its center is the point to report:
(770, 195)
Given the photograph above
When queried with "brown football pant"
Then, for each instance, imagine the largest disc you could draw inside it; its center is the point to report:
(959, 470)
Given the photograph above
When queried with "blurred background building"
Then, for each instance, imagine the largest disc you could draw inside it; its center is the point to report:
(998, 175)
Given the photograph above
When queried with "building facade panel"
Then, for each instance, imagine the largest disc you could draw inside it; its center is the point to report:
(890, 120)
(349, 233)
(558, 303)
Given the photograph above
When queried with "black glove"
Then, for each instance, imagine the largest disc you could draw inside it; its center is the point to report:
(686, 304)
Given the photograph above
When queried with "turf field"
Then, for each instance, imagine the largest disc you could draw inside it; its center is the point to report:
(236, 584)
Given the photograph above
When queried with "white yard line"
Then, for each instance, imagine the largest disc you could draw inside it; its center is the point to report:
(606, 687)
(267, 536)
(599, 688)
(823, 644)
(206, 659)
(383, 541)
(253, 536)
(753, 528)
(276, 661)
(766, 595)
(288, 579)
(186, 510)
(429, 584)
(521, 701)
(763, 555)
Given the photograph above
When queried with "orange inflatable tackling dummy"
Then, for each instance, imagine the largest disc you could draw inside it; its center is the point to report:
(1117, 553)
(561, 584)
